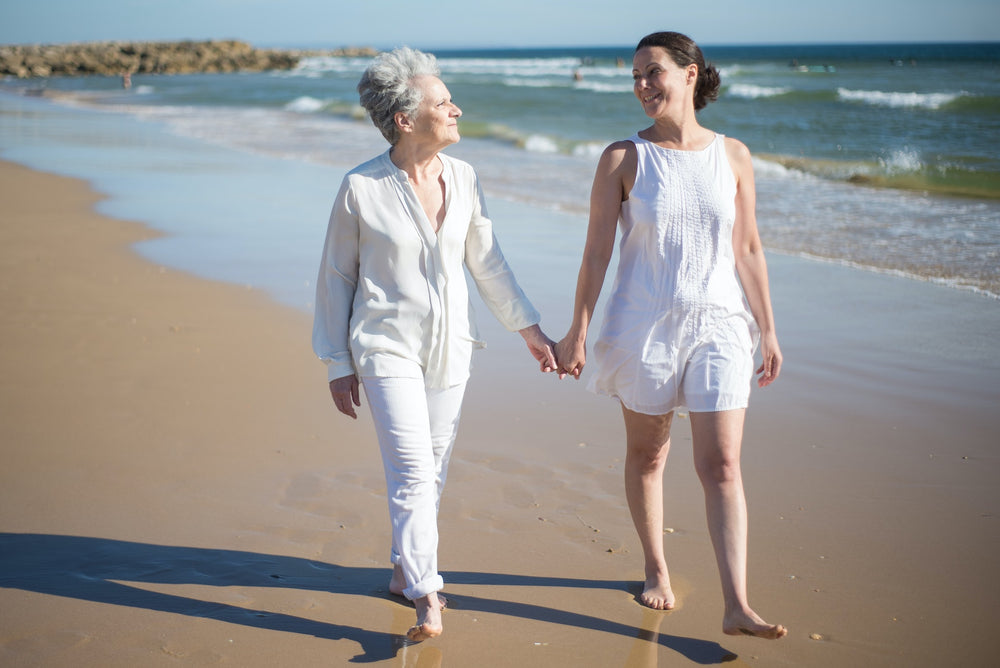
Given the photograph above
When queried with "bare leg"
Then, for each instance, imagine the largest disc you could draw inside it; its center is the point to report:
(398, 583)
(429, 623)
(717, 442)
(647, 443)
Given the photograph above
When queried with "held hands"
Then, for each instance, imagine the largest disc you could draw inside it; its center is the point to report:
(346, 395)
(346, 390)
(572, 355)
(541, 347)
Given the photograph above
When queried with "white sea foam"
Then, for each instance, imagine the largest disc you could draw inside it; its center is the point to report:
(313, 66)
(902, 161)
(540, 144)
(898, 99)
(515, 82)
(775, 170)
(305, 105)
(511, 66)
(589, 150)
(605, 86)
(752, 92)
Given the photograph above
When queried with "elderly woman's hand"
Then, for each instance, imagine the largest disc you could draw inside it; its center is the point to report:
(346, 395)
(541, 347)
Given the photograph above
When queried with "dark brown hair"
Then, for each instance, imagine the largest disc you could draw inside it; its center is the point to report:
(683, 51)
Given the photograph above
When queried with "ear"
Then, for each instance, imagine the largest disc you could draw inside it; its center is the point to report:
(403, 122)
(691, 73)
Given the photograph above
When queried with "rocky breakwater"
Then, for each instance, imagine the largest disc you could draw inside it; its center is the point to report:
(118, 58)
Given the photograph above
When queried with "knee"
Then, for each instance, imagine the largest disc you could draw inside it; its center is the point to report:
(410, 482)
(648, 459)
(719, 470)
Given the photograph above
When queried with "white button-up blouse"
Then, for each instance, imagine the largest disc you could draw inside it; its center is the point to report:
(392, 293)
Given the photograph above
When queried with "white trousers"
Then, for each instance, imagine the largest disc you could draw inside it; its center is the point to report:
(416, 428)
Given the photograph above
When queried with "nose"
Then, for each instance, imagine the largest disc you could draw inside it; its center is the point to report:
(455, 111)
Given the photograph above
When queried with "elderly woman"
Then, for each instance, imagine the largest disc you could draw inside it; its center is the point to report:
(690, 302)
(392, 304)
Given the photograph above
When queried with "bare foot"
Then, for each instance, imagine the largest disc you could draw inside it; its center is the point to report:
(398, 583)
(428, 619)
(750, 624)
(657, 594)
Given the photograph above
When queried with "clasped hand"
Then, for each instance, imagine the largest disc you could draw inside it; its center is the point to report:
(346, 391)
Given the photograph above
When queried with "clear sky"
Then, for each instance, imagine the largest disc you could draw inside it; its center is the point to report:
(469, 23)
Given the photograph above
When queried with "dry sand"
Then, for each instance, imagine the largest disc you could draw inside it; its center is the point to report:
(175, 486)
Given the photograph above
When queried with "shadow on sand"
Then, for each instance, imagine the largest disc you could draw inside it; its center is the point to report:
(92, 569)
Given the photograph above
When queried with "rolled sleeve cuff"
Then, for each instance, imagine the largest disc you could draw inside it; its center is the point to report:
(338, 367)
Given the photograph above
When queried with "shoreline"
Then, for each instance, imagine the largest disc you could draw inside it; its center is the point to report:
(176, 484)
(926, 236)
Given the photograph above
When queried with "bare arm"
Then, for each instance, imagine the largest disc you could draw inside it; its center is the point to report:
(750, 263)
(612, 182)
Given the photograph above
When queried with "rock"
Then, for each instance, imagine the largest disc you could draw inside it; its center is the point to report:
(117, 58)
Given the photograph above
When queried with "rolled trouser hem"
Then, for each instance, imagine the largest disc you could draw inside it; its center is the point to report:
(424, 588)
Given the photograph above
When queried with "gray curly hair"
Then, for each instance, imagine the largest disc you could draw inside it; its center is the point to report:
(386, 88)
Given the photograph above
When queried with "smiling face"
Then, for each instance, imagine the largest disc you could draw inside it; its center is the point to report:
(660, 85)
(437, 116)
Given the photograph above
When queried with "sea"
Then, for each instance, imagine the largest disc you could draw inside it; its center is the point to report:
(884, 158)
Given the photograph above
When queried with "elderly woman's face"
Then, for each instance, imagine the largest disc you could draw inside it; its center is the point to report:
(437, 118)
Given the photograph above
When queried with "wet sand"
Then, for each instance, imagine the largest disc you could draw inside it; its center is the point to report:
(177, 487)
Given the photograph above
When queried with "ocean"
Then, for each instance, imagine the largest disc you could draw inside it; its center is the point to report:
(880, 157)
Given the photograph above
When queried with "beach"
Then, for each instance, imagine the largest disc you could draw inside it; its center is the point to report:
(177, 486)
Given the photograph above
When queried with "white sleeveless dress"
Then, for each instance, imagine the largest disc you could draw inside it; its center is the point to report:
(677, 330)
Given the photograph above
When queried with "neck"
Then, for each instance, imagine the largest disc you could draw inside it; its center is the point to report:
(685, 133)
(420, 162)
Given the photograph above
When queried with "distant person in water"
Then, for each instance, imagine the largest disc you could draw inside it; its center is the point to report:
(392, 305)
(678, 331)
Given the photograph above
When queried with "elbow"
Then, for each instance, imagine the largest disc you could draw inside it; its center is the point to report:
(596, 262)
(749, 254)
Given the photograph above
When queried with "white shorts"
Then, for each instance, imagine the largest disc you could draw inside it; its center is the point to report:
(707, 374)
(718, 372)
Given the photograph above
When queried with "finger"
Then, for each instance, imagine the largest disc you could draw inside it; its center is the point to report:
(355, 395)
(549, 363)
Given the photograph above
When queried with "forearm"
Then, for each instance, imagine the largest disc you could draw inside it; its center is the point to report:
(752, 270)
(588, 289)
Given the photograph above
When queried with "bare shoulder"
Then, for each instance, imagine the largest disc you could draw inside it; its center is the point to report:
(621, 155)
(616, 171)
(618, 151)
(739, 154)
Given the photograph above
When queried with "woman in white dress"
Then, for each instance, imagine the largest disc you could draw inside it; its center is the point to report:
(689, 305)
(392, 304)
